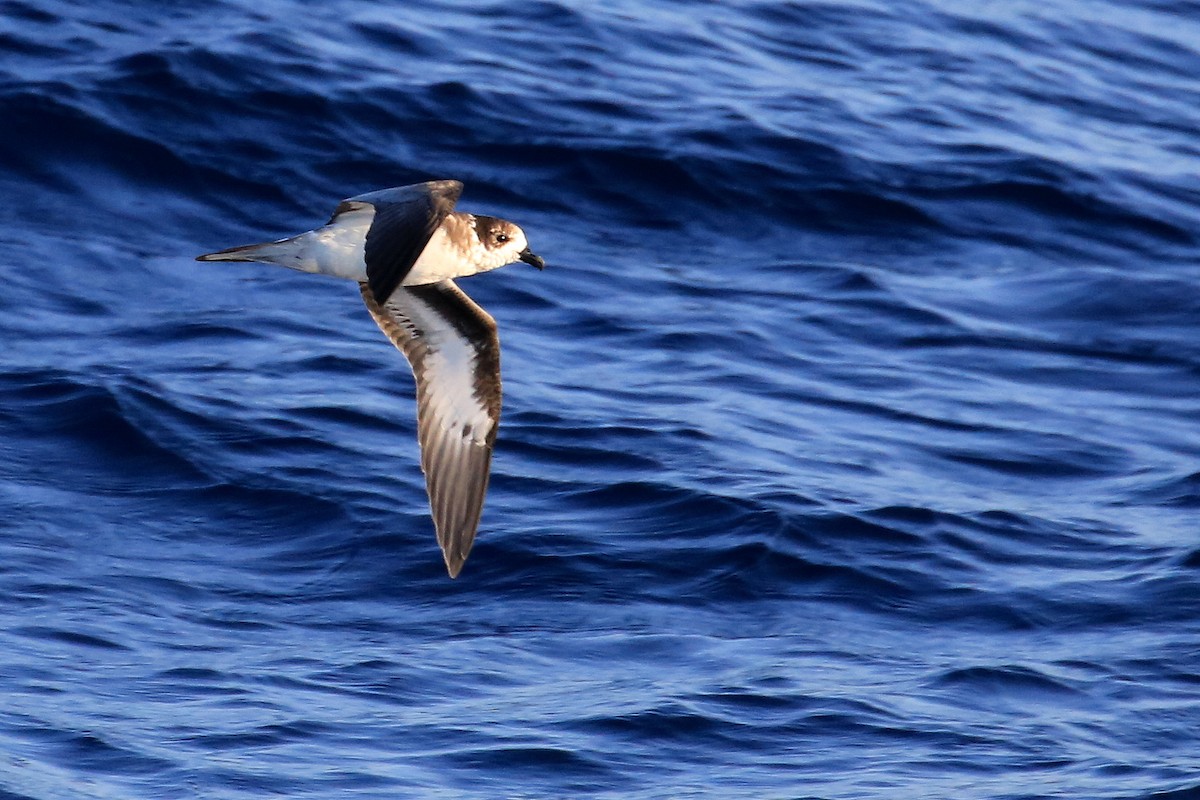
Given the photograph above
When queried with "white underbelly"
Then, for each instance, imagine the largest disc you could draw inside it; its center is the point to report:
(340, 250)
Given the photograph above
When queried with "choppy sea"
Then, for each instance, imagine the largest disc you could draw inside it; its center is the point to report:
(851, 444)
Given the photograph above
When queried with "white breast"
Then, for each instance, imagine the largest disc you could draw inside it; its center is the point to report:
(442, 258)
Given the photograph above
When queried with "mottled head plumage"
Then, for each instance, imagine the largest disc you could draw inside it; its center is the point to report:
(495, 233)
(504, 242)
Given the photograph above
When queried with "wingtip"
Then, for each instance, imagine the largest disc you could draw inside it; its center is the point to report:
(454, 557)
(449, 188)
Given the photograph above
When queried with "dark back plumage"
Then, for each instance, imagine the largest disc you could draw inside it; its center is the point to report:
(405, 219)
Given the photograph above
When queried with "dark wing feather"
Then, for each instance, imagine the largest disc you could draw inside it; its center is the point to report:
(405, 219)
(452, 346)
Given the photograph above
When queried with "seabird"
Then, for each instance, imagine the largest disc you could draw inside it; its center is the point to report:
(404, 246)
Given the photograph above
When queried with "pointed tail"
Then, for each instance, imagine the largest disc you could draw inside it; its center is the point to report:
(267, 251)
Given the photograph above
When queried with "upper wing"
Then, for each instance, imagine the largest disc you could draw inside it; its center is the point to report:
(405, 219)
(454, 351)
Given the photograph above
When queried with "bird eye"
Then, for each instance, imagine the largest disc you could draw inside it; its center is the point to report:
(501, 238)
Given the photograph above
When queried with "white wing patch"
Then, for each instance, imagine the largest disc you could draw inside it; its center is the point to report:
(450, 370)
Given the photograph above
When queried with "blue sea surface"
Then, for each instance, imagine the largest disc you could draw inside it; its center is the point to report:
(851, 442)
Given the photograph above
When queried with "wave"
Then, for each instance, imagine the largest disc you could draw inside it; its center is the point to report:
(231, 123)
(852, 415)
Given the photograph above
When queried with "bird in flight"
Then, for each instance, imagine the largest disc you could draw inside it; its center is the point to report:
(405, 246)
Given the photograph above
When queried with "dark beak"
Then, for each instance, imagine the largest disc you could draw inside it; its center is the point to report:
(528, 257)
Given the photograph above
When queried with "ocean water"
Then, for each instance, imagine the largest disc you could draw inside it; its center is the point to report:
(851, 444)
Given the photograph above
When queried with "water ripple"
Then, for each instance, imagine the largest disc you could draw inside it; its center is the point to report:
(851, 423)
